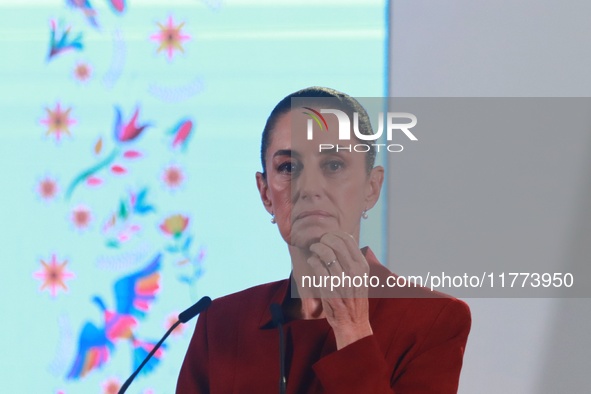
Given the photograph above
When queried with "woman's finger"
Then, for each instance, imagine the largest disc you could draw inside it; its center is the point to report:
(324, 252)
(346, 251)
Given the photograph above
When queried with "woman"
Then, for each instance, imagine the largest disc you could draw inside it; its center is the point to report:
(338, 340)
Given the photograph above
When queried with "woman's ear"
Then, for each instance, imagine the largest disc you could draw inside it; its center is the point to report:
(264, 192)
(374, 186)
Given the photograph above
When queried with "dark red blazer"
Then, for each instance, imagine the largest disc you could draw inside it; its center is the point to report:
(417, 346)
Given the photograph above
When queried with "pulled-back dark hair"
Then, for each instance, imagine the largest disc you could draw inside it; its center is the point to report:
(342, 101)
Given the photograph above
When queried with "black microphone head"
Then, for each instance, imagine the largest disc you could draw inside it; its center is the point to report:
(276, 314)
(194, 310)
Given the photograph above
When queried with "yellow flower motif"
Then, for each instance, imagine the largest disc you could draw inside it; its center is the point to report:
(174, 225)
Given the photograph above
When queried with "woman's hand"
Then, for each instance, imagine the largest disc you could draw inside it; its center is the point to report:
(346, 307)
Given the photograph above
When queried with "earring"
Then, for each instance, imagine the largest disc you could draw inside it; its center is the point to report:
(364, 214)
(273, 218)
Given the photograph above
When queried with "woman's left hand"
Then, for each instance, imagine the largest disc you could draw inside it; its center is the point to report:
(346, 307)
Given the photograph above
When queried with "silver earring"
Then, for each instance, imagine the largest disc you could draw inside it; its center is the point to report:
(364, 214)
(273, 218)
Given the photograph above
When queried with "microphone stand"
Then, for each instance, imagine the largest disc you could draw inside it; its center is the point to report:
(154, 349)
(184, 317)
(278, 320)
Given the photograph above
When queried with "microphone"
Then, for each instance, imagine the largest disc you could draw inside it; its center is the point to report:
(184, 317)
(277, 316)
(194, 310)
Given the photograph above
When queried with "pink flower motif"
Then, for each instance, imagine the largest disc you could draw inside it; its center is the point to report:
(118, 5)
(132, 154)
(130, 130)
(82, 72)
(170, 37)
(53, 275)
(58, 121)
(126, 234)
(94, 181)
(173, 177)
(111, 386)
(182, 132)
(47, 188)
(174, 225)
(81, 217)
(117, 169)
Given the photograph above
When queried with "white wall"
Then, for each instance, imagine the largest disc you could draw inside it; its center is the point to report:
(506, 48)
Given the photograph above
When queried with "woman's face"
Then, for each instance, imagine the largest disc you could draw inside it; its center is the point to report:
(312, 192)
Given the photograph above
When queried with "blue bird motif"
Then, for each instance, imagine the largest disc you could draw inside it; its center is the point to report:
(133, 296)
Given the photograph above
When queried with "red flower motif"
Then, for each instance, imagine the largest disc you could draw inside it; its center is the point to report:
(130, 130)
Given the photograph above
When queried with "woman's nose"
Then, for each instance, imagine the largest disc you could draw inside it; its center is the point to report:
(309, 184)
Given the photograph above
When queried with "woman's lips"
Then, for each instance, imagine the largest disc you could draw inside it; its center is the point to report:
(317, 213)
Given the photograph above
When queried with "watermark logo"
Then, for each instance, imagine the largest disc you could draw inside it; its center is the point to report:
(392, 120)
(317, 117)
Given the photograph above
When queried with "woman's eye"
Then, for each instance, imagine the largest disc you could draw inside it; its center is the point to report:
(288, 167)
(334, 165)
